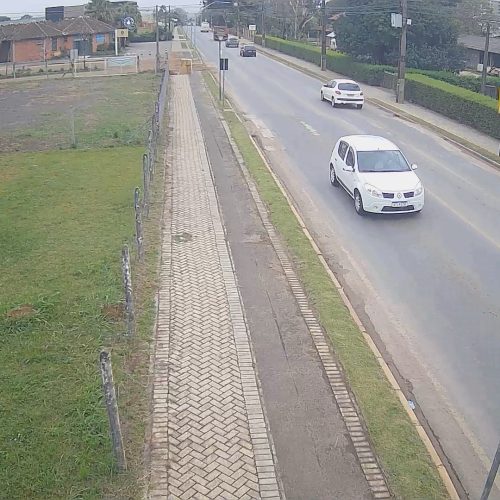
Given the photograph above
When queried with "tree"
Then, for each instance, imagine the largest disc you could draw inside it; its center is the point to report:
(365, 32)
(469, 14)
(100, 9)
(4, 18)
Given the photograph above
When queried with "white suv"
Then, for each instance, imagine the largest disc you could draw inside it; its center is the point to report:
(376, 174)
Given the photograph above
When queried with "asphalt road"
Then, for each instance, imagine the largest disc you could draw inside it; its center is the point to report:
(428, 285)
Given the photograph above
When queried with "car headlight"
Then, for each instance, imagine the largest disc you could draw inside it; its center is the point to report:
(418, 190)
(373, 191)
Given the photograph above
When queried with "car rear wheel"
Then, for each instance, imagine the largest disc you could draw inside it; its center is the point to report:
(359, 106)
(333, 177)
(358, 203)
(333, 102)
(322, 97)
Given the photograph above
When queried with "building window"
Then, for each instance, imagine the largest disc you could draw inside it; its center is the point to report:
(54, 44)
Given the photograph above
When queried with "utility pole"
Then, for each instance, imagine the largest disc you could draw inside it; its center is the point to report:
(238, 21)
(263, 25)
(323, 35)
(400, 97)
(491, 476)
(169, 20)
(157, 65)
(485, 57)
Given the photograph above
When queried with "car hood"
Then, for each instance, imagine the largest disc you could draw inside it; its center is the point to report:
(391, 181)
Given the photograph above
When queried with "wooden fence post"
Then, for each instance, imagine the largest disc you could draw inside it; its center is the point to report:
(112, 407)
(129, 296)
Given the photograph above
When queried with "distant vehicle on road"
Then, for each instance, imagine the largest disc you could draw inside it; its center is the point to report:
(232, 42)
(220, 33)
(205, 27)
(248, 51)
(343, 92)
(376, 174)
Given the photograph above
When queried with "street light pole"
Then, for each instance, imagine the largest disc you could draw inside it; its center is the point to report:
(400, 97)
(263, 25)
(323, 35)
(485, 58)
(491, 476)
(157, 64)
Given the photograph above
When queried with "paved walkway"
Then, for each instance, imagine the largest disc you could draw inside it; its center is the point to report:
(209, 437)
(387, 97)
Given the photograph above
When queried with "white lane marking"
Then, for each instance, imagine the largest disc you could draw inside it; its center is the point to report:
(311, 129)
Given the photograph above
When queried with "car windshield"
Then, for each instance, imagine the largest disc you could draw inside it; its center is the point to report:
(382, 161)
(349, 86)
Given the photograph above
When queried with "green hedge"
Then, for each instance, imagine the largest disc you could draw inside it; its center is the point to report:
(467, 107)
(467, 82)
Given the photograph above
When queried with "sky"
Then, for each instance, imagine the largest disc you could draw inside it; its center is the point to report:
(16, 8)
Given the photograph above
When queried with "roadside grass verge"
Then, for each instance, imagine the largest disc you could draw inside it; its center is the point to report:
(409, 469)
(64, 216)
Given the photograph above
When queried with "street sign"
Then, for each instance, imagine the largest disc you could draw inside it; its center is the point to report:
(223, 63)
(121, 33)
(396, 20)
(252, 27)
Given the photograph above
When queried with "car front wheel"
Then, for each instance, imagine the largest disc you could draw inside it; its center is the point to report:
(359, 106)
(333, 177)
(322, 96)
(358, 203)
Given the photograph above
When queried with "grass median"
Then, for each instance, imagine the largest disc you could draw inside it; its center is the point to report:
(64, 216)
(406, 462)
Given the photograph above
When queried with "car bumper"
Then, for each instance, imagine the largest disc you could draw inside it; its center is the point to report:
(350, 100)
(385, 206)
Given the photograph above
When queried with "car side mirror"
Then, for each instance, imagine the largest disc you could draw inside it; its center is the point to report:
(414, 166)
(349, 168)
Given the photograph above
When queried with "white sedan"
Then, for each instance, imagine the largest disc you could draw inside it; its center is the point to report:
(376, 174)
(343, 92)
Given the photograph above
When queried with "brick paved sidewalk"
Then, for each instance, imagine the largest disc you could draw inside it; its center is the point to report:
(209, 437)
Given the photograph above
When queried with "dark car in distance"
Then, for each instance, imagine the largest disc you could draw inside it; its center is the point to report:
(232, 42)
(248, 51)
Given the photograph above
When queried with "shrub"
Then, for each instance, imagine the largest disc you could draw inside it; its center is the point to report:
(472, 83)
(467, 107)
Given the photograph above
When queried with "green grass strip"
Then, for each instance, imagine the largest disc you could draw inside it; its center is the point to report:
(406, 462)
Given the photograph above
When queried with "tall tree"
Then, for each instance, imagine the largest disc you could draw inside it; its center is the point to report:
(100, 9)
(365, 32)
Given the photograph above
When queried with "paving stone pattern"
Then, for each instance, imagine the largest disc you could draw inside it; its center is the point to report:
(209, 436)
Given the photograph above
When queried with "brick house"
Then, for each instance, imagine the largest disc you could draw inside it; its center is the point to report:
(45, 40)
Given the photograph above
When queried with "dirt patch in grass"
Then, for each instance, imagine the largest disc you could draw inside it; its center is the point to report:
(83, 113)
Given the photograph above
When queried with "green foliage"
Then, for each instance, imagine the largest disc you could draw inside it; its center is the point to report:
(432, 36)
(469, 108)
(472, 83)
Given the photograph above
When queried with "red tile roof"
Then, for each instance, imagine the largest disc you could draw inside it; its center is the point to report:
(44, 29)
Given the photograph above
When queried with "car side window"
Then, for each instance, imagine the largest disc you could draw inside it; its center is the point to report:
(349, 161)
(342, 149)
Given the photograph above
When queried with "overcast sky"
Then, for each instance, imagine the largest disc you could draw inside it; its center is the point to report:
(16, 8)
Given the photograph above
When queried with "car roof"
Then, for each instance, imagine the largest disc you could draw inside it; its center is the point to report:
(369, 143)
(344, 80)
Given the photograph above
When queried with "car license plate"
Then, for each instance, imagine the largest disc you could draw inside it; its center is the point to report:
(351, 95)
(400, 204)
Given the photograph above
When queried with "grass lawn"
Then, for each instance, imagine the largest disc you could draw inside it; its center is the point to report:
(405, 460)
(63, 218)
